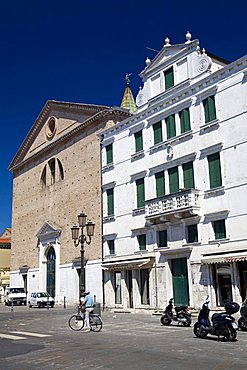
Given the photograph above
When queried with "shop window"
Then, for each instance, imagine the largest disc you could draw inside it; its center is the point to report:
(144, 286)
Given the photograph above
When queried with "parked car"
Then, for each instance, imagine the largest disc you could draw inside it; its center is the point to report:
(41, 299)
(16, 295)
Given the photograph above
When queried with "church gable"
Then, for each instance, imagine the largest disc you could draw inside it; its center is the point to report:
(56, 120)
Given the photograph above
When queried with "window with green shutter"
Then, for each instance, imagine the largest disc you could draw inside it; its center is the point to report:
(169, 78)
(160, 184)
(140, 193)
(214, 170)
(111, 246)
(170, 126)
(142, 242)
(110, 201)
(192, 234)
(188, 173)
(219, 229)
(184, 116)
(158, 137)
(173, 179)
(138, 141)
(162, 238)
(209, 109)
(109, 154)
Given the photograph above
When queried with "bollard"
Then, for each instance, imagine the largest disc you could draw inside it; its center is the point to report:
(12, 305)
(64, 302)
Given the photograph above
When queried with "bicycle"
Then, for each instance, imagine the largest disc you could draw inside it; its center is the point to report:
(77, 322)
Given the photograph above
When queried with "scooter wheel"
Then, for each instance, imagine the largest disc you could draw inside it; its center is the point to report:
(188, 322)
(165, 320)
(198, 331)
(242, 324)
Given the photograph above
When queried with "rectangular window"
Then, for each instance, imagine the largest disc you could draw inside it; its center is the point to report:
(111, 246)
(140, 193)
(160, 184)
(170, 126)
(214, 170)
(118, 295)
(188, 173)
(110, 202)
(192, 234)
(138, 141)
(219, 229)
(169, 78)
(173, 179)
(162, 238)
(142, 242)
(144, 282)
(209, 109)
(109, 154)
(184, 116)
(158, 137)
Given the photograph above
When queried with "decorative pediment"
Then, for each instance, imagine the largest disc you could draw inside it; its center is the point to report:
(57, 122)
(48, 230)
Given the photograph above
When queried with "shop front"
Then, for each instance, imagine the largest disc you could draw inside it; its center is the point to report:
(228, 276)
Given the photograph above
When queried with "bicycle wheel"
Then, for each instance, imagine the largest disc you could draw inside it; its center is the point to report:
(76, 322)
(95, 322)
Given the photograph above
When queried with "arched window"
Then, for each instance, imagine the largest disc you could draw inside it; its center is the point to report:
(52, 172)
(43, 177)
(61, 174)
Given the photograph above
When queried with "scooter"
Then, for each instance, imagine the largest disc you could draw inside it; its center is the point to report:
(223, 324)
(242, 322)
(182, 315)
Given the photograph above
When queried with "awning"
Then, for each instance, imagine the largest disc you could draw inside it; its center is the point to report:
(127, 265)
(225, 257)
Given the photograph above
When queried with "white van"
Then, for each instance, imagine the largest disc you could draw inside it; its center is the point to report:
(15, 295)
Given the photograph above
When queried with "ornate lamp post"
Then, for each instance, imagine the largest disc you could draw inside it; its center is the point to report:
(82, 239)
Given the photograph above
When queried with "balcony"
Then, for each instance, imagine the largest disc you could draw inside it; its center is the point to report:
(180, 205)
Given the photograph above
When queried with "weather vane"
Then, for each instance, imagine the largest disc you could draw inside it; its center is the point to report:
(127, 78)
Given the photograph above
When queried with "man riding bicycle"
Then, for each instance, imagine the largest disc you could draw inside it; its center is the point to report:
(87, 303)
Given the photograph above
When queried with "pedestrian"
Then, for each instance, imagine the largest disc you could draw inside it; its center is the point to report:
(87, 303)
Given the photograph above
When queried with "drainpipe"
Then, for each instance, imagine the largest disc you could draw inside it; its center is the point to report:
(101, 137)
(156, 285)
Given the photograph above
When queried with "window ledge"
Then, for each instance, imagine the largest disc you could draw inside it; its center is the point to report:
(137, 155)
(157, 147)
(138, 211)
(108, 167)
(140, 251)
(188, 244)
(219, 241)
(110, 255)
(210, 124)
(109, 219)
(214, 192)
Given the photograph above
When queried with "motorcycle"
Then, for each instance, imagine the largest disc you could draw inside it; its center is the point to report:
(223, 324)
(182, 315)
(242, 322)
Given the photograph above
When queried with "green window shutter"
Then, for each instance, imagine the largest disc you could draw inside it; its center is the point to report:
(209, 109)
(214, 170)
(162, 238)
(192, 236)
(184, 120)
(111, 245)
(157, 127)
(142, 241)
(219, 229)
(173, 179)
(138, 141)
(171, 126)
(188, 175)
(109, 154)
(140, 191)
(160, 184)
(110, 202)
(169, 78)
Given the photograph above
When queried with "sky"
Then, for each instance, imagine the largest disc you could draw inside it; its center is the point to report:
(81, 50)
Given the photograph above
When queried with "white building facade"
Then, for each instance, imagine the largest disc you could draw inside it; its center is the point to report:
(174, 187)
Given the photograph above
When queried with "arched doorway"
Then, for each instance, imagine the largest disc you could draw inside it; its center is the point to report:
(51, 272)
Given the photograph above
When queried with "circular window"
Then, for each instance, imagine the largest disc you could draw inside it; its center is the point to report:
(50, 128)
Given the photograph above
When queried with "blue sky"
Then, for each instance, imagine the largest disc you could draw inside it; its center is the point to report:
(80, 51)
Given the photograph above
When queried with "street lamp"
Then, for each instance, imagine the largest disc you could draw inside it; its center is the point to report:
(82, 239)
